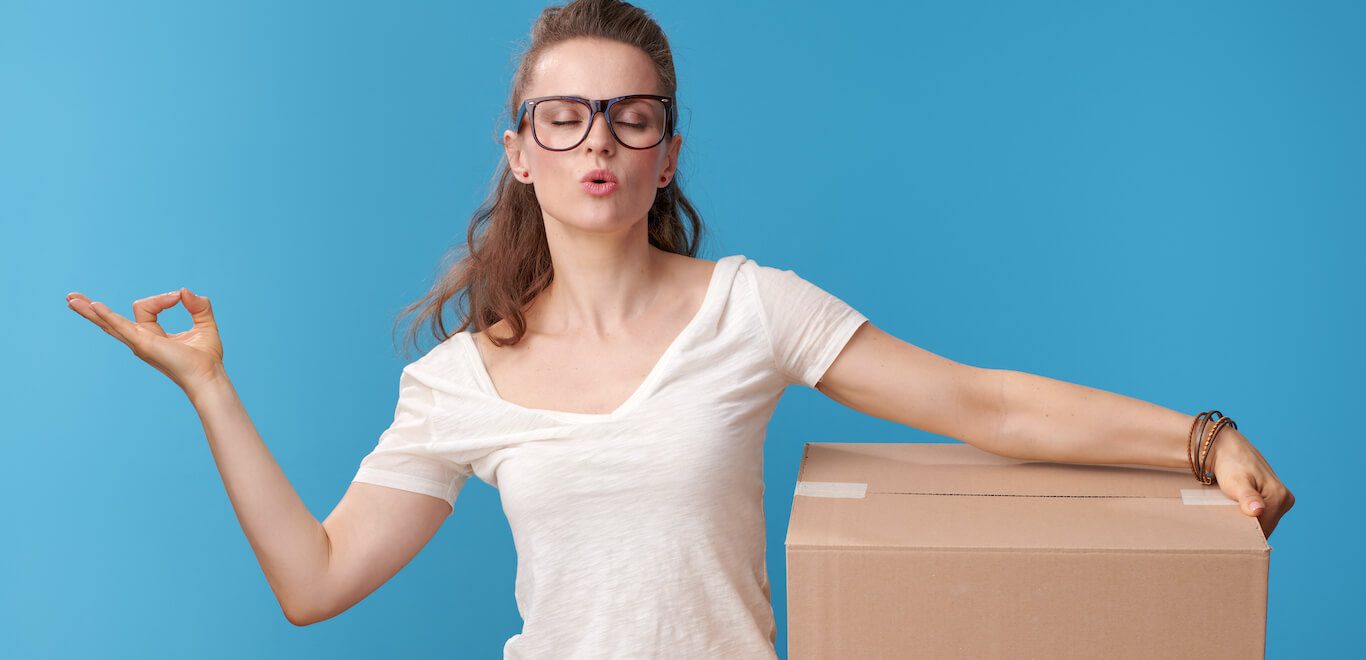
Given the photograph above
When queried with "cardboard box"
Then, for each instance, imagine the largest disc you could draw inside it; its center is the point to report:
(946, 551)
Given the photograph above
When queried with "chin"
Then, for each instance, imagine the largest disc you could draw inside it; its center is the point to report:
(599, 216)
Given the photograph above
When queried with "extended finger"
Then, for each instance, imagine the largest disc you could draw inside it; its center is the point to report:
(81, 305)
(116, 325)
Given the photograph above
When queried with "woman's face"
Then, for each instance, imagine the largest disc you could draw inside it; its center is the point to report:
(592, 69)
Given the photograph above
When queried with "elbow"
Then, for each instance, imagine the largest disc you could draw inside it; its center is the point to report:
(303, 615)
(298, 618)
(999, 436)
(307, 602)
(1015, 435)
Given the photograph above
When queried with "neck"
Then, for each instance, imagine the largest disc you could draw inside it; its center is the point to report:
(602, 280)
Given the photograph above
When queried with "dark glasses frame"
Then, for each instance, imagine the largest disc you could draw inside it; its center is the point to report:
(594, 107)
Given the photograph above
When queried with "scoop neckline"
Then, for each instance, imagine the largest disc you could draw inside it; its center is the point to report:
(709, 299)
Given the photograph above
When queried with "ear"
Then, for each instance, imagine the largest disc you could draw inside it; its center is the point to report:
(512, 145)
(671, 160)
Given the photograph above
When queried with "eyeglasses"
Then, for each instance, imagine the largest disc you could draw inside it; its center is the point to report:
(560, 123)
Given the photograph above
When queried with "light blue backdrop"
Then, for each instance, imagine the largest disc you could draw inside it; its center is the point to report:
(1163, 200)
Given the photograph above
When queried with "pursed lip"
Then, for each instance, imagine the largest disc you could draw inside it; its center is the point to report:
(599, 175)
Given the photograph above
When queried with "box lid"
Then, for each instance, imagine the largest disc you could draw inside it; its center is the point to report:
(953, 495)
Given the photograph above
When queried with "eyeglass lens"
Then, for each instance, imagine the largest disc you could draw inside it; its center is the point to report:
(562, 124)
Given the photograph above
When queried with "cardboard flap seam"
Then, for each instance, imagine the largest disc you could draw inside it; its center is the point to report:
(898, 492)
(1203, 552)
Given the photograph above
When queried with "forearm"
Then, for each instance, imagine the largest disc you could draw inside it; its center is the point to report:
(290, 544)
(1052, 420)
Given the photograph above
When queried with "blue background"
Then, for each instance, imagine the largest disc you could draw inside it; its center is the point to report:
(1163, 200)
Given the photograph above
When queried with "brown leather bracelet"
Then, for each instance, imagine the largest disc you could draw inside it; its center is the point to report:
(1209, 444)
(1193, 444)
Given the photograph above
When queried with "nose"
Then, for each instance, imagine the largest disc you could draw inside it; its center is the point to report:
(599, 134)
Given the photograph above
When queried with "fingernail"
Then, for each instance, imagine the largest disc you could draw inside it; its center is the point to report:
(1256, 506)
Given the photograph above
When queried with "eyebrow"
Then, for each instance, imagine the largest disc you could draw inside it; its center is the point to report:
(584, 96)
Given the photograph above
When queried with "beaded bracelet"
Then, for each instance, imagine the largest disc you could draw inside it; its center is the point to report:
(1198, 451)
(1201, 443)
(1209, 444)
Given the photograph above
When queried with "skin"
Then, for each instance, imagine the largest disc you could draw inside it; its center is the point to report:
(593, 336)
(616, 302)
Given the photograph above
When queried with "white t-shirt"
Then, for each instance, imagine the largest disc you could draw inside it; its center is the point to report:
(640, 532)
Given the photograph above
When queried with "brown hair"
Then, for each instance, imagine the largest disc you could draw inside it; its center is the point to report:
(507, 260)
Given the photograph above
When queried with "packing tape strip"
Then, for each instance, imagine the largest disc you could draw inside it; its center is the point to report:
(1205, 496)
(832, 489)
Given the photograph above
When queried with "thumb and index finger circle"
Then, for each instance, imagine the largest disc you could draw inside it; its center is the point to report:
(146, 309)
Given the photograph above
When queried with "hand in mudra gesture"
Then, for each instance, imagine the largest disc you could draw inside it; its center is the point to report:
(189, 358)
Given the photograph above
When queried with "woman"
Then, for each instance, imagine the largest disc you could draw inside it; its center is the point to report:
(616, 389)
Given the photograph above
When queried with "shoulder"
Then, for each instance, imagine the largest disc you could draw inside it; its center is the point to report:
(687, 280)
(688, 272)
(783, 294)
(737, 266)
(752, 269)
(751, 280)
(767, 281)
(442, 366)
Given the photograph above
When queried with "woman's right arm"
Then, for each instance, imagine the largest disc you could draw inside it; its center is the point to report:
(316, 570)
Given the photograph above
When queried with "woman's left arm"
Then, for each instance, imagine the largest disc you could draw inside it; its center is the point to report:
(1031, 417)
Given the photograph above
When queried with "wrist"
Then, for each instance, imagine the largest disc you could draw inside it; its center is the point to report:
(210, 386)
(1227, 436)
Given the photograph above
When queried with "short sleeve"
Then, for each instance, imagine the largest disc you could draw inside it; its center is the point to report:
(807, 327)
(405, 456)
